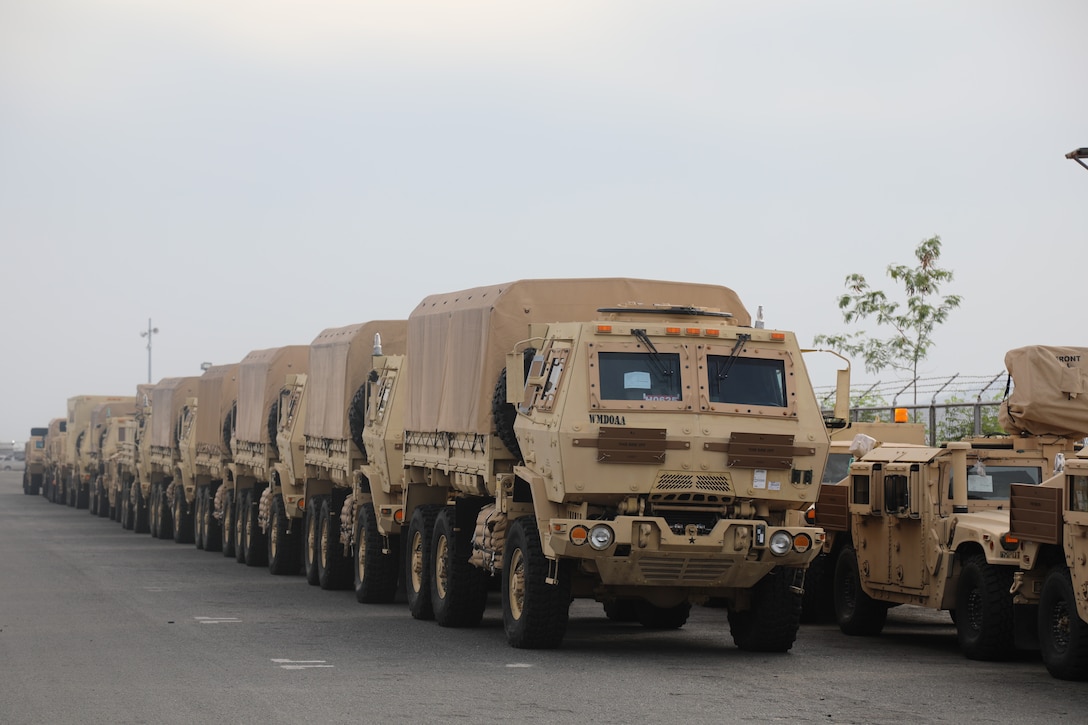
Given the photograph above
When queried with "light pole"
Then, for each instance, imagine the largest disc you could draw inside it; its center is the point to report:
(1078, 155)
(150, 331)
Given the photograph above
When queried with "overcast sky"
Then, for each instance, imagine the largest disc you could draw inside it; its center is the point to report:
(247, 173)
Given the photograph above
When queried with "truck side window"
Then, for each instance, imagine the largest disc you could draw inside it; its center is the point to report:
(1078, 493)
(747, 381)
(860, 485)
(896, 494)
(640, 376)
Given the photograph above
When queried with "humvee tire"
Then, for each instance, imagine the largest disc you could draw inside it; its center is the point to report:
(375, 571)
(856, 612)
(621, 610)
(771, 622)
(534, 613)
(458, 589)
(984, 617)
(651, 616)
(417, 577)
(1063, 635)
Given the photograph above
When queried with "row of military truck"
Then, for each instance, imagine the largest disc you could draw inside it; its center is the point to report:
(640, 443)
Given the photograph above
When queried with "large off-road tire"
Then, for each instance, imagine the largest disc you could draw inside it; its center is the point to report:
(242, 505)
(103, 500)
(621, 610)
(375, 572)
(273, 426)
(856, 612)
(770, 624)
(164, 514)
(534, 612)
(200, 504)
(182, 516)
(651, 616)
(984, 615)
(458, 589)
(417, 574)
(1063, 635)
(226, 525)
(256, 540)
(141, 514)
(125, 507)
(333, 568)
(818, 601)
(310, 541)
(213, 528)
(71, 493)
(503, 413)
(92, 498)
(284, 541)
(357, 417)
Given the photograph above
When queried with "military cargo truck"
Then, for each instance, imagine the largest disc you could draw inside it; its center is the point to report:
(171, 399)
(54, 456)
(255, 449)
(133, 465)
(206, 454)
(107, 431)
(316, 498)
(34, 455)
(1051, 520)
(77, 467)
(632, 441)
(930, 526)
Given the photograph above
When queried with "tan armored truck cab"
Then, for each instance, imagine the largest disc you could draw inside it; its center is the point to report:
(255, 449)
(171, 399)
(78, 463)
(107, 432)
(206, 454)
(644, 447)
(1051, 520)
(55, 440)
(930, 527)
(314, 496)
(34, 455)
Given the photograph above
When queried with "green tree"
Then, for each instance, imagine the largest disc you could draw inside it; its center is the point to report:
(958, 422)
(912, 323)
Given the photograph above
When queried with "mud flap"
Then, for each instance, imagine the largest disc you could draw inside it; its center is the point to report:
(1025, 626)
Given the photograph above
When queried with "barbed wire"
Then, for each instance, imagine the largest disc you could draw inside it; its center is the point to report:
(929, 389)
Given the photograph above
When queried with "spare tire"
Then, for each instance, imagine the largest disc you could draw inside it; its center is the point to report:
(273, 425)
(504, 414)
(357, 417)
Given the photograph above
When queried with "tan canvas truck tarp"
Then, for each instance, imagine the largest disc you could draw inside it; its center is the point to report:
(167, 399)
(216, 394)
(457, 342)
(80, 408)
(340, 359)
(1050, 391)
(261, 376)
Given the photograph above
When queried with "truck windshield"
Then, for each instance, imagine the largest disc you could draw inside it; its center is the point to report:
(991, 482)
(747, 381)
(640, 376)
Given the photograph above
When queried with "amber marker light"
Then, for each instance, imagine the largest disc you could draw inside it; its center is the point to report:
(802, 543)
(398, 516)
(579, 535)
(672, 330)
(778, 336)
(1010, 542)
(694, 331)
(810, 516)
(604, 329)
(712, 332)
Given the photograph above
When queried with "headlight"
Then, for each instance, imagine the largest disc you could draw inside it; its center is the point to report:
(781, 543)
(601, 537)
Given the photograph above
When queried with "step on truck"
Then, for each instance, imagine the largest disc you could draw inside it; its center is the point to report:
(255, 449)
(322, 497)
(1051, 520)
(635, 442)
(929, 526)
(34, 454)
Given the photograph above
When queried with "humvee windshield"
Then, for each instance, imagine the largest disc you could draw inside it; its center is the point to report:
(837, 468)
(640, 376)
(747, 381)
(991, 482)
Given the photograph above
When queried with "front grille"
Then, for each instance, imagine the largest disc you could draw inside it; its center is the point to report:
(692, 482)
(664, 570)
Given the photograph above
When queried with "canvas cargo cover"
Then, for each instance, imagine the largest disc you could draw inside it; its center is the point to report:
(261, 376)
(167, 399)
(101, 414)
(457, 342)
(340, 359)
(80, 408)
(1050, 391)
(216, 394)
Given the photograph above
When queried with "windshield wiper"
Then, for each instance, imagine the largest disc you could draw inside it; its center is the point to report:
(725, 367)
(655, 356)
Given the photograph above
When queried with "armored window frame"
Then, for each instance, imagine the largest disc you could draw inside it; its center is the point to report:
(755, 356)
(1078, 493)
(676, 351)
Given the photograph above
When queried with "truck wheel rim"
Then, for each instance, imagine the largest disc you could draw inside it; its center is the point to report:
(517, 584)
(441, 566)
(417, 561)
